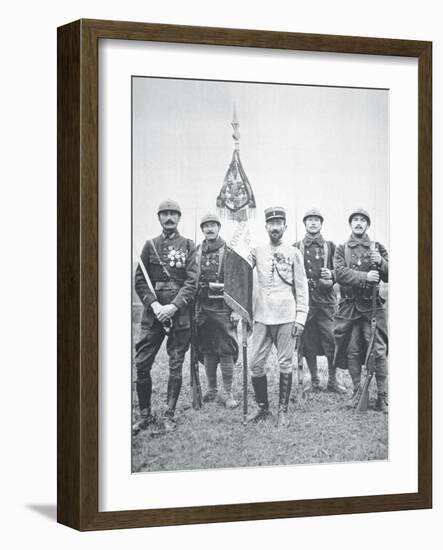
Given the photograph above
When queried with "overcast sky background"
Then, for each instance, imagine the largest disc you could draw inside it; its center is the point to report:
(300, 146)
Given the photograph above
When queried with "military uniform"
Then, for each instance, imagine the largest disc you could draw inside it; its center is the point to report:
(353, 319)
(282, 299)
(217, 335)
(170, 263)
(318, 336)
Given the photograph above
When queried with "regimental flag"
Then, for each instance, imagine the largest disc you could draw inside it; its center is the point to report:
(238, 272)
(236, 201)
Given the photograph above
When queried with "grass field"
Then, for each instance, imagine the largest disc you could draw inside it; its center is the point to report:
(321, 429)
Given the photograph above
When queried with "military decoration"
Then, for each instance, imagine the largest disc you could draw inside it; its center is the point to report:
(176, 257)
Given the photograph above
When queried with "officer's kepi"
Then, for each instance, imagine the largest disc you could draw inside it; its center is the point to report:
(274, 213)
(169, 204)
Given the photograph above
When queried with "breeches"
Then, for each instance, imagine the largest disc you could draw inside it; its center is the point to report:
(149, 343)
(359, 340)
(263, 338)
(358, 343)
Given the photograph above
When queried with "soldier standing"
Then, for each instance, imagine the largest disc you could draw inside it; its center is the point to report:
(280, 314)
(217, 332)
(165, 281)
(318, 336)
(359, 264)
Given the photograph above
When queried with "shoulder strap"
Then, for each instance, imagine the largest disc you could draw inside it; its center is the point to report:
(165, 270)
(301, 247)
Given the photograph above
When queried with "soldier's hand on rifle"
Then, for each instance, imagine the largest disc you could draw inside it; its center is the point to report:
(375, 257)
(325, 273)
(167, 312)
(373, 276)
(235, 318)
(297, 330)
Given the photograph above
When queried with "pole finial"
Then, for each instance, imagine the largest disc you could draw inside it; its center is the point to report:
(236, 126)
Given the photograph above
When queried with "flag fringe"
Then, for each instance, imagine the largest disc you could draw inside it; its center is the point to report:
(242, 215)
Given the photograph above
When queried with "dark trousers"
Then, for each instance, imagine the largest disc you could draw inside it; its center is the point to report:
(358, 342)
(146, 350)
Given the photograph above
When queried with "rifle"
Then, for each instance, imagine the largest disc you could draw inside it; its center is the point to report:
(195, 377)
(363, 396)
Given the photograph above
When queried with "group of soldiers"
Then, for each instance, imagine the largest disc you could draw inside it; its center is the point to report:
(296, 306)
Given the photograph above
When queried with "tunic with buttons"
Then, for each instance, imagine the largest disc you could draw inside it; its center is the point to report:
(318, 336)
(176, 257)
(355, 291)
(216, 333)
(352, 262)
(313, 251)
(279, 270)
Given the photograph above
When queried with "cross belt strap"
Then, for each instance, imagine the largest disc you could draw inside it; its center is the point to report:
(165, 270)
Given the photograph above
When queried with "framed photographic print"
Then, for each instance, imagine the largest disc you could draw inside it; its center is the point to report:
(244, 274)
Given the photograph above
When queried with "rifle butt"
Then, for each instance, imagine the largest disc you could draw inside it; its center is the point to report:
(362, 404)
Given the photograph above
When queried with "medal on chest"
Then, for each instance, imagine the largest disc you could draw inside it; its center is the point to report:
(175, 257)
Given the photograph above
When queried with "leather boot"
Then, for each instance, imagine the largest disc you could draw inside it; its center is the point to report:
(146, 418)
(311, 360)
(174, 387)
(260, 385)
(333, 385)
(144, 391)
(285, 392)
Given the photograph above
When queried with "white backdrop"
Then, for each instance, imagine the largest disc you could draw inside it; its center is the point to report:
(28, 277)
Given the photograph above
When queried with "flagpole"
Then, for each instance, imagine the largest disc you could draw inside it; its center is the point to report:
(236, 202)
(244, 327)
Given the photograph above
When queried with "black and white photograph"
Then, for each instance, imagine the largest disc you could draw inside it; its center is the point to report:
(260, 242)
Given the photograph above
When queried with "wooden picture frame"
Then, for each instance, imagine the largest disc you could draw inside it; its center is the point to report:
(77, 456)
